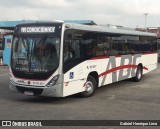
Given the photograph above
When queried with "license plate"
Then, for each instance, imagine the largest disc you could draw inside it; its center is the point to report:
(30, 93)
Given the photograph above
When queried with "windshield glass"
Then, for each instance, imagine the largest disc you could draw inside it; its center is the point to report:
(36, 54)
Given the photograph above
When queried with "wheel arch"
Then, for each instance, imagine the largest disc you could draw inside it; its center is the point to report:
(95, 75)
(141, 65)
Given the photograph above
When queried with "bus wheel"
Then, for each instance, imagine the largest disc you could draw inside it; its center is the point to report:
(138, 76)
(90, 87)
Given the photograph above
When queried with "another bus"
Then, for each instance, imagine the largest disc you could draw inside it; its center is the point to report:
(5, 49)
(60, 59)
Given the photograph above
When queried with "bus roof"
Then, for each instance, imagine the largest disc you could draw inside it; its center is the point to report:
(110, 30)
(10, 25)
(95, 28)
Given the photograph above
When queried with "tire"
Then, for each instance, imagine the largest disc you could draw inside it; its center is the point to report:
(138, 76)
(90, 87)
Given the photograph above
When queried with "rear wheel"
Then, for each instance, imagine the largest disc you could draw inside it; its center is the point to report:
(90, 87)
(138, 76)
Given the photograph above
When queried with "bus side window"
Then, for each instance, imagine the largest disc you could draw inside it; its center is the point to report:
(107, 46)
(114, 46)
(153, 45)
(69, 47)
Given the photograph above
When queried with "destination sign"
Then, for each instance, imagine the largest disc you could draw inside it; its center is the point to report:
(41, 29)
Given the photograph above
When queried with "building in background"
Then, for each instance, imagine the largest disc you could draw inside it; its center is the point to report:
(151, 29)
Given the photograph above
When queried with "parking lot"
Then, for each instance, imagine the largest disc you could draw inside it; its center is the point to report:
(125, 100)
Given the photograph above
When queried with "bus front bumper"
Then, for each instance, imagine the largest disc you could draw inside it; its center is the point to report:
(54, 91)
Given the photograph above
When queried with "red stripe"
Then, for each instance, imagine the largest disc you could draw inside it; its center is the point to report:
(145, 68)
(100, 57)
(119, 68)
(117, 55)
(103, 57)
(149, 53)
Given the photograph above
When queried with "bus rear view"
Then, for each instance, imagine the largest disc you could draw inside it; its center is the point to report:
(35, 59)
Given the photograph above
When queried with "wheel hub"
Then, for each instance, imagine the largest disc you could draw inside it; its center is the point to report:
(89, 87)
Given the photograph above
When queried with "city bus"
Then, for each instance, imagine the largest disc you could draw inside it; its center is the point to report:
(59, 59)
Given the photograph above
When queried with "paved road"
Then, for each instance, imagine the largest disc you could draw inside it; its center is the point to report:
(125, 100)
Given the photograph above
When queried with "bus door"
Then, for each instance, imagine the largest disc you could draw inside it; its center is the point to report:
(7, 49)
(1, 49)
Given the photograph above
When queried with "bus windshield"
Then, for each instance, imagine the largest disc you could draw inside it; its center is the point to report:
(35, 55)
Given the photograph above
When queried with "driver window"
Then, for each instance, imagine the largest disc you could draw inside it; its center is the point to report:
(71, 48)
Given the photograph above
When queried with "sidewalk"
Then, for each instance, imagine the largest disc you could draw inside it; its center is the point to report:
(4, 69)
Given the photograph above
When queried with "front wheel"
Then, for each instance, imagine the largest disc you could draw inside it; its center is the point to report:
(90, 87)
(138, 76)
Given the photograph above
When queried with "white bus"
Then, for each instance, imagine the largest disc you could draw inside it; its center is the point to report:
(60, 59)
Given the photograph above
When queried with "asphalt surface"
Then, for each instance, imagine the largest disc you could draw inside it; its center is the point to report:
(125, 100)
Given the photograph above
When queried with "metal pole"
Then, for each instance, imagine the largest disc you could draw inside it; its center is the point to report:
(145, 14)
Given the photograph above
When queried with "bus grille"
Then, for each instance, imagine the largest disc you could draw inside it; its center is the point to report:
(36, 91)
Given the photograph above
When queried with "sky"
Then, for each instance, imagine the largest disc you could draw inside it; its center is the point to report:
(129, 13)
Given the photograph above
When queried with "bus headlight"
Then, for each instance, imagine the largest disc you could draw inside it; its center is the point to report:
(53, 81)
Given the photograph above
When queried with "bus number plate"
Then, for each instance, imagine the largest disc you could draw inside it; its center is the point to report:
(29, 93)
